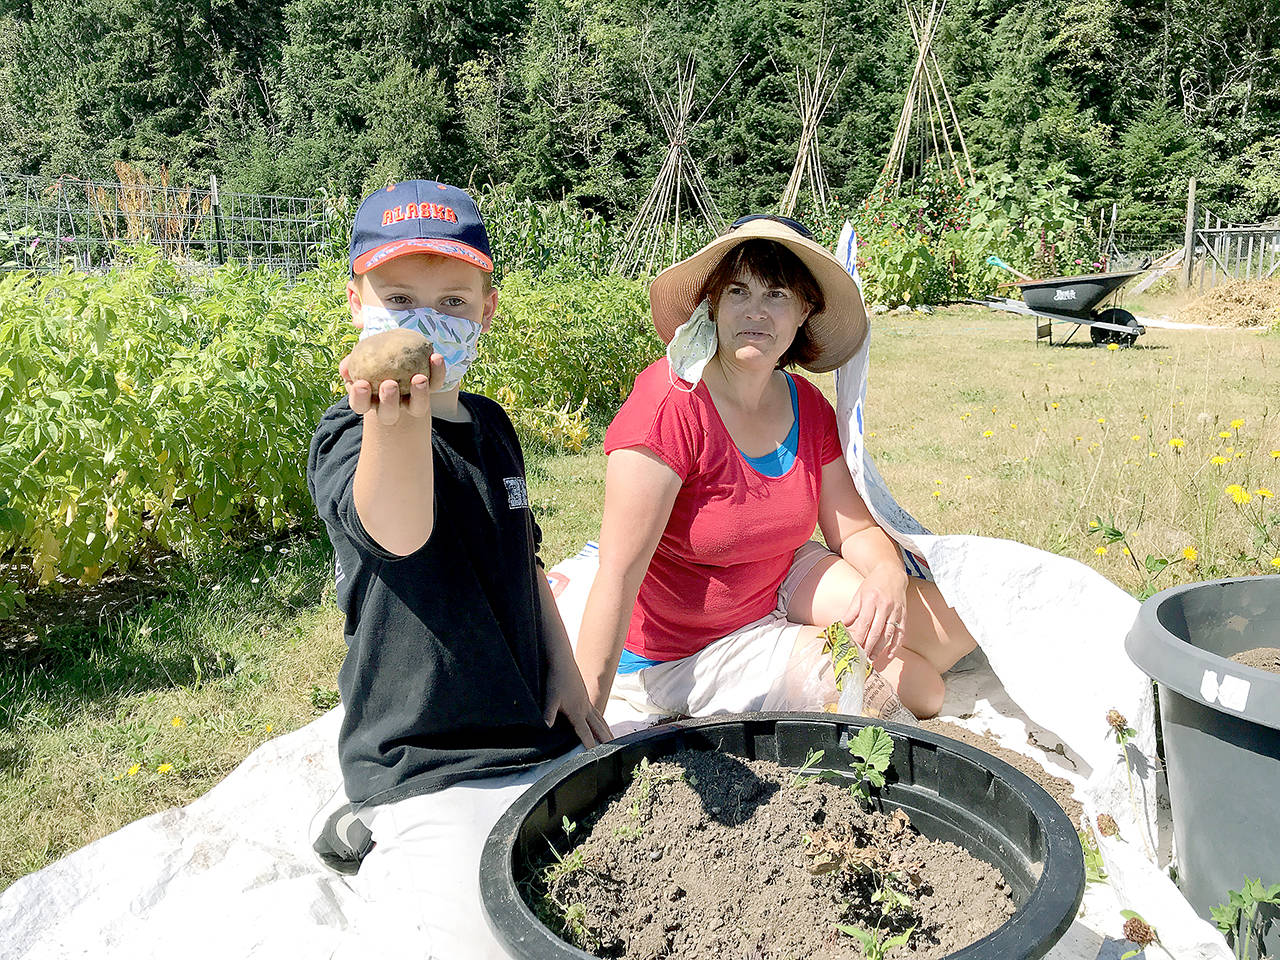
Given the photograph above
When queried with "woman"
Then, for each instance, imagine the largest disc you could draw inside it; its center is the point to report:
(710, 596)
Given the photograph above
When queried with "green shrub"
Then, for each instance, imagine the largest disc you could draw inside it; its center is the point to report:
(144, 412)
(141, 415)
(563, 351)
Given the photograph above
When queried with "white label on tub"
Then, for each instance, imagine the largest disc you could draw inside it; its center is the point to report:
(1231, 692)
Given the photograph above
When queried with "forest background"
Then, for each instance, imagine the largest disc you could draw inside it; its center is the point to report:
(1118, 100)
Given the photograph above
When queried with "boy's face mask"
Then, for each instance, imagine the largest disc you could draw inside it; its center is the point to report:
(454, 338)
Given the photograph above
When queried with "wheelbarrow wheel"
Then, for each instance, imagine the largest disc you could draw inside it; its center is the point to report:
(1121, 318)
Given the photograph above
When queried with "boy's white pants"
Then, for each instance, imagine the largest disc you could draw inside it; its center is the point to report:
(420, 885)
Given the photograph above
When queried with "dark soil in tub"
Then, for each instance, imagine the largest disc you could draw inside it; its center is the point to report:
(1264, 658)
(706, 856)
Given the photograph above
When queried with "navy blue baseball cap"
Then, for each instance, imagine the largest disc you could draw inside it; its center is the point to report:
(418, 216)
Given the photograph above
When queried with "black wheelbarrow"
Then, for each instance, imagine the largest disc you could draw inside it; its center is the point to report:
(1076, 300)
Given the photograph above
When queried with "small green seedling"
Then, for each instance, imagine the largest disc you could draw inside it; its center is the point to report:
(872, 945)
(802, 778)
(872, 749)
(568, 826)
(891, 899)
(564, 866)
(1235, 918)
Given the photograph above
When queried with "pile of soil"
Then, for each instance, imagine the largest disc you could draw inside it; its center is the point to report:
(707, 856)
(1061, 790)
(1236, 303)
(1264, 658)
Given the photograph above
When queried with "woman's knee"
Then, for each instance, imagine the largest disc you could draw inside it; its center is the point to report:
(923, 691)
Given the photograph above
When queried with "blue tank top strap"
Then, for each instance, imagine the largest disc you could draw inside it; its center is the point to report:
(779, 461)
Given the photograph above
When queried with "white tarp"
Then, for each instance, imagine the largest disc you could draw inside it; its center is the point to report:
(231, 874)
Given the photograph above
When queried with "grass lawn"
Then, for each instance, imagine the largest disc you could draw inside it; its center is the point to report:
(975, 428)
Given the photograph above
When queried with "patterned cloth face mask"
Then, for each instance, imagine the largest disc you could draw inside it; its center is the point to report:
(454, 338)
(692, 345)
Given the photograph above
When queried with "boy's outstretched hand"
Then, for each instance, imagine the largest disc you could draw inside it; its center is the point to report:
(566, 694)
(388, 401)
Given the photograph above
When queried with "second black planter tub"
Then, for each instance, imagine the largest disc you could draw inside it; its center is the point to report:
(1221, 727)
(950, 790)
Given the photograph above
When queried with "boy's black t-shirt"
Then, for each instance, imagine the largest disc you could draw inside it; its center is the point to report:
(446, 669)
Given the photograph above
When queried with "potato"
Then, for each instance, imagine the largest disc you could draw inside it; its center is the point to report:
(393, 355)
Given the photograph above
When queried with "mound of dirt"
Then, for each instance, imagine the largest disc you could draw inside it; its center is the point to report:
(1237, 303)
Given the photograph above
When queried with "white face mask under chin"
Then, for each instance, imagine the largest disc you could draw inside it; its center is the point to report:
(454, 338)
(692, 346)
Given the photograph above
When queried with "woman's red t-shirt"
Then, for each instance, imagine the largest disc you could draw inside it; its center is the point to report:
(733, 531)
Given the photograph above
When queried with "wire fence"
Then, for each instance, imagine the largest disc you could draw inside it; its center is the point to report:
(47, 224)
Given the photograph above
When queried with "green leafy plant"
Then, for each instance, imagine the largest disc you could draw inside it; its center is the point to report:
(872, 750)
(1236, 917)
(874, 945)
(802, 779)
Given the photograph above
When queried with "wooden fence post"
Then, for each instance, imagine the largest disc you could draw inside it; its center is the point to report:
(1189, 240)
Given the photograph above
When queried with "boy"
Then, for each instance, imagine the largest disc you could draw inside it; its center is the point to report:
(459, 684)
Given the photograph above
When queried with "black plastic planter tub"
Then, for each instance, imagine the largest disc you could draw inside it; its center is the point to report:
(950, 790)
(1221, 726)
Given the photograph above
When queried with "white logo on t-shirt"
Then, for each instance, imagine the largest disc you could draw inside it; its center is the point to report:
(338, 575)
(517, 492)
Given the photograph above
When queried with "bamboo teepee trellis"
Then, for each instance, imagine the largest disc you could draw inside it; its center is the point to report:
(653, 239)
(815, 92)
(928, 114)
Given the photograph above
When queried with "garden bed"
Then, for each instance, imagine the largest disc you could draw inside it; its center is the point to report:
(707, 855)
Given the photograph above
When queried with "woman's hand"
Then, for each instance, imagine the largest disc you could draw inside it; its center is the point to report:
(877, 613)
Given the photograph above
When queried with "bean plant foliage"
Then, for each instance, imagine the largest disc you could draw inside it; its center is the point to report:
(139, 414)
(143, 412)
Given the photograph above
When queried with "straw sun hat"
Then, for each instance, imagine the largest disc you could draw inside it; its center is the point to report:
(836, 331)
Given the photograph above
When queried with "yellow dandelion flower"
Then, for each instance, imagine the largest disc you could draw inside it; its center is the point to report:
(1093, 523)
(988, 433)
(938, 482)
(937, 493)
(1102, 419)
(1263, 492)
(1177, 443)
(1100, 551)
(1135, 437)
(1240, 495)
(1217, 461)
(1190, 554)
(1237, 424)
(164, 768)
(133, 771)
(1229, 451)
(1013, 426)
(177, 722)
(1113, 346)
(269, 728)
(1225, 434)
(1152, 453)
(1275, 454)
(968, 476)
(1276, 563)
(1125, 551)
(1054, 405)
